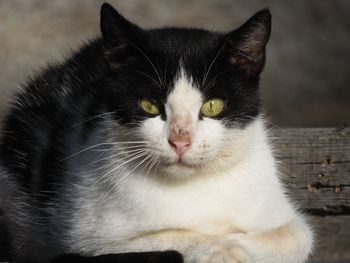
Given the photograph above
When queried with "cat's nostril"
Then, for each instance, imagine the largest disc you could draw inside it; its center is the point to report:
(180, 147)
(179, 144)
(172, 144)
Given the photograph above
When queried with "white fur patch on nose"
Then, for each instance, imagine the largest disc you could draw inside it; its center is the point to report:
(180, 129)
(185, 99)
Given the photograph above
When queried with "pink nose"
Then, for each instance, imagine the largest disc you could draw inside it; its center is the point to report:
(180, 147)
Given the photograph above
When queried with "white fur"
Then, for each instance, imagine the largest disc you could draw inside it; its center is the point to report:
(224, 204)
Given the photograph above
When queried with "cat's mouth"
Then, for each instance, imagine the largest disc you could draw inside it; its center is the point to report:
(181, 169)
(182, 164)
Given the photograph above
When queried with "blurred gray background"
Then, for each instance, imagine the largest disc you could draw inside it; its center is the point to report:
(306, 79)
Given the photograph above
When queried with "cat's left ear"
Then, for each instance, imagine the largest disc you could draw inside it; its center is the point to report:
(247, 43)
(118, 35)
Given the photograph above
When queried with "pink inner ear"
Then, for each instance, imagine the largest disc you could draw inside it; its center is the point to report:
(252, 66)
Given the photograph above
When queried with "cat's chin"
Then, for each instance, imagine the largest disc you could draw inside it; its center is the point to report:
(180, 169)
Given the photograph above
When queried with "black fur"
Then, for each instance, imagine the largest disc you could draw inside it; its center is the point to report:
(55, 110)
(149, 257)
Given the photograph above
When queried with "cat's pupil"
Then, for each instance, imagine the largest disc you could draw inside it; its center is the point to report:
(149, 106)
(211, 106)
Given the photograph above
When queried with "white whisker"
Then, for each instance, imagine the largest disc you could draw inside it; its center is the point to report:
(114, 159)
(100, 144)
(134, 157)
(153, 161)
(146, 75)
(92, 118)
(120, 180)
(211, 65)
(148, 59)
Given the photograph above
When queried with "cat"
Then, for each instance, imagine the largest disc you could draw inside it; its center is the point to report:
(150, 142)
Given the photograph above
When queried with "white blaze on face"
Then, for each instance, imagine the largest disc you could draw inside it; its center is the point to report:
(182, 110)
(185, 99)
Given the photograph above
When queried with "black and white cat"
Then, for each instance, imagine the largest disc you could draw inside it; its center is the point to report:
(150, 140)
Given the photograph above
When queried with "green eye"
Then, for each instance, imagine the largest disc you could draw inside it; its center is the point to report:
(212, 108)
(149, 107)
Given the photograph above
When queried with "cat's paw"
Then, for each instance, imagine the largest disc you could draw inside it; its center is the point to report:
(224, 255)
(217, 252)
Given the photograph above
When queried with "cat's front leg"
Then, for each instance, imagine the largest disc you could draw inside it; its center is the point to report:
(289, 243)
(194, 247)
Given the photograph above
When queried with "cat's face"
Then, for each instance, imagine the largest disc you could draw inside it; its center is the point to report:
(189, 95)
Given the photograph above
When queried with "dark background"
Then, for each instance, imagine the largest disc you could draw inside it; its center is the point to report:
(306, 79)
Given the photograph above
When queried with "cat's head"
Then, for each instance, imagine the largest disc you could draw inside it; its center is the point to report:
(190, 96)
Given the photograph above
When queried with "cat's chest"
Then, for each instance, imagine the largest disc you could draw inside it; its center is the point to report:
(220, 204)
(211, 206)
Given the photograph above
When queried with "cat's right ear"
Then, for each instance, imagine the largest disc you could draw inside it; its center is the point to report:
(247, 44)
(118, 34)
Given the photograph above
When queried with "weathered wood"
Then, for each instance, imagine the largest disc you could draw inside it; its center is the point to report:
(316, 168)
(315, 165)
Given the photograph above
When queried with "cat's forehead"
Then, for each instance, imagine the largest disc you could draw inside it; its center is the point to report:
(184, 42)
(182, 56)
(185, 96)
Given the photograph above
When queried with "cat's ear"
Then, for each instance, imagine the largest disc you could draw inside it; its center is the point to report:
(247, 43)
(118, 34)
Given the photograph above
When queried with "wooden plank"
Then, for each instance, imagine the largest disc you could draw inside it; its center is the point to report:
(315, 165)
(316, 168)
